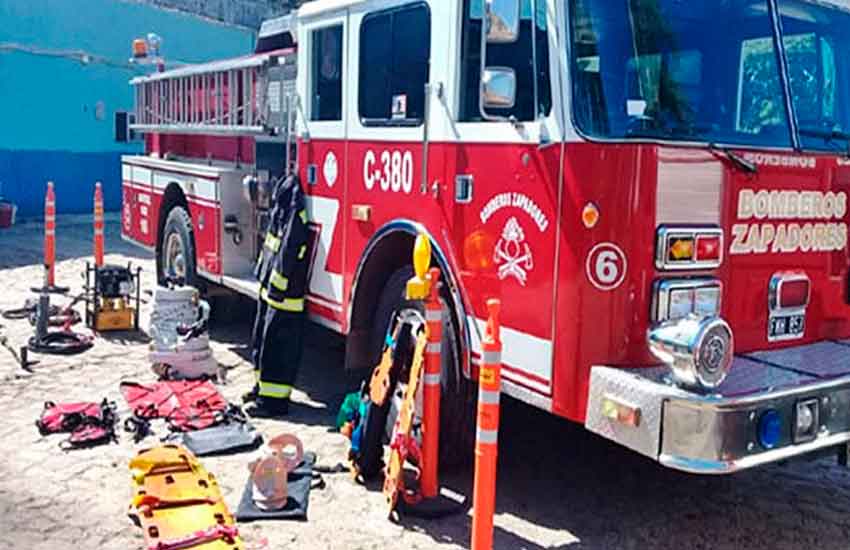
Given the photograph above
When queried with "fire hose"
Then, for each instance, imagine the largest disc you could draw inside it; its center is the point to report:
(58, 317)
(64, 342)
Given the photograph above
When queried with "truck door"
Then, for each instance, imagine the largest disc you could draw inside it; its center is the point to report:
(391, 52)
(323, 156)
(504, 181)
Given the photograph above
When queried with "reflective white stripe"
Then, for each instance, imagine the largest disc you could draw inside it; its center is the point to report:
(49, 203)
(434, 347)
(489, 397)
(51, 232)
(50, 218)
(433, 315)
(98, 232)
(431, 379)
(486, 436)
(492, 357)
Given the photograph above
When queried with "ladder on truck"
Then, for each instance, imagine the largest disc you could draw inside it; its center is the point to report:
(253, 95)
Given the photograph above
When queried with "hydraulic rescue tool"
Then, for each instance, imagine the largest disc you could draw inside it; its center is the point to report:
(112, 295)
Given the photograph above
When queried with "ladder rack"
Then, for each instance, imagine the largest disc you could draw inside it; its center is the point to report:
(244, 96)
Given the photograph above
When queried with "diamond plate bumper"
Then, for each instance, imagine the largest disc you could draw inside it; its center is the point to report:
(717, 433)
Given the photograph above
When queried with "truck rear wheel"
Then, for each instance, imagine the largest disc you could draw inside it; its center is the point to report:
(458, 394)
(176, 258)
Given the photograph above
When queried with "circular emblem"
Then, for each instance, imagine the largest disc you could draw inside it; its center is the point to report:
(330, 169)
(713, 353)
(606, 266)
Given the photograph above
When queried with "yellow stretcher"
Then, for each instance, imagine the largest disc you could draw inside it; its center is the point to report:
(403, 446)
(178, 504)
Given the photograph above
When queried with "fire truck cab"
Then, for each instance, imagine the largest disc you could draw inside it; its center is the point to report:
(657, 194)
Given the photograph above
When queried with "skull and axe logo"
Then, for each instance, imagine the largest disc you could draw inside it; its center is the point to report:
(512, 254)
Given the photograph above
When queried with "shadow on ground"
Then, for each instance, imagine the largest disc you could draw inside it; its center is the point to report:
(74, 239)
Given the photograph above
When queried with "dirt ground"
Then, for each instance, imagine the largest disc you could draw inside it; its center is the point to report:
(559, 487)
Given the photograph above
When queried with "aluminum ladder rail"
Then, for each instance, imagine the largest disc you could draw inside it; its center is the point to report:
(233, 97)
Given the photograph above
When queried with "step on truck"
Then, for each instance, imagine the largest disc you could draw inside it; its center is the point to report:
(656, 192)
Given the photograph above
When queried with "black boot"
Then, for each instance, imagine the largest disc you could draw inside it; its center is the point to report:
(268, 408)
(251, 396)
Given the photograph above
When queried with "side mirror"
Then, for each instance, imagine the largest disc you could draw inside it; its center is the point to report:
(502, 19)
(498, 88)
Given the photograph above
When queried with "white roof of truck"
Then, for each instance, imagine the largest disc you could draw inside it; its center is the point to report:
(311, 9)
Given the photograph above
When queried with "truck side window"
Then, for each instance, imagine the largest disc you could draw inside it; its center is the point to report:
(326, 77)
(517, 56)
(395, 46)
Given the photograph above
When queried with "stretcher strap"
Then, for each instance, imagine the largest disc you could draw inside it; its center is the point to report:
(226, 532)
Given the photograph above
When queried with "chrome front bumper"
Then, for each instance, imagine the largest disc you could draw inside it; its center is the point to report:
(717, 433)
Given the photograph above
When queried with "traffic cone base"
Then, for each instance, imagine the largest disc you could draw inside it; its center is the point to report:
(445, 503)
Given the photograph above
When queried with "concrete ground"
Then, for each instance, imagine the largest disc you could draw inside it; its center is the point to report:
(559, 487)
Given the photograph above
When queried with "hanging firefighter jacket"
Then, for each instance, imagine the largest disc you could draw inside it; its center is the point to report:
(282, 272)
(282, 267)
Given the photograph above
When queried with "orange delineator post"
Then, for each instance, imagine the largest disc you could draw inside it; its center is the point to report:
(98, 225)
(50, 235)
(487, 432)
(429, 479)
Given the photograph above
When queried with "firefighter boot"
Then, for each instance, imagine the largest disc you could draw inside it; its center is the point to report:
(266, 407)
(251, 396)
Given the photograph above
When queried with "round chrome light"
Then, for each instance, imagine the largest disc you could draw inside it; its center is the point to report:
(699, 351)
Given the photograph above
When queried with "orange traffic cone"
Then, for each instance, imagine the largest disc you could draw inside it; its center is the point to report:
(431, 381)
(50, 235)
(98, 225)
(487, 433)
(50, 244)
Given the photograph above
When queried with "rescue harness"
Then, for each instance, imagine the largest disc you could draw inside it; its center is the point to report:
(88, 423)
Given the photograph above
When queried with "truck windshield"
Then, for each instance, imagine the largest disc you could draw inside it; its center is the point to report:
(818, 69)
(707, 71)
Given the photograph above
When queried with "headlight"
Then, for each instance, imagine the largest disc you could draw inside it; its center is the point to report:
(699, 351)
(678, 298)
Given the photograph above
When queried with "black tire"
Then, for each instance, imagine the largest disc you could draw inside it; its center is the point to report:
(177, 232)
(458, 394)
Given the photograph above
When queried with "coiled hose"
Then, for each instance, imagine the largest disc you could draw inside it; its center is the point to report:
(60, 343)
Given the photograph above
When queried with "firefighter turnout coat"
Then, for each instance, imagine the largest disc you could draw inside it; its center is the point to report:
(282, 273)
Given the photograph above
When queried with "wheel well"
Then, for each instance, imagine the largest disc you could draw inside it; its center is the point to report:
(391, 253)
(172, 197)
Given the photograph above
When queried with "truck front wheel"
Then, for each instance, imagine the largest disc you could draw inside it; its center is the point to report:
(458, 394)
(176, 257)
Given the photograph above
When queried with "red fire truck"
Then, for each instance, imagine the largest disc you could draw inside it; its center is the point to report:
(656, 190)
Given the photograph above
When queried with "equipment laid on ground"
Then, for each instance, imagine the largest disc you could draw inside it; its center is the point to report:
(113, 296)
(269, 473)
(178, 504)
(300, 481)
(89, 424)
(63, 342)
(185, 405)
(232, 436)
(58, 316)
(179, 324)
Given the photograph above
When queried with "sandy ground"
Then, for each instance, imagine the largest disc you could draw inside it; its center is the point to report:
(559, 487)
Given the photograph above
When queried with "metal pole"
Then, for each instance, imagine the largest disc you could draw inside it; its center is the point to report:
(425, 138)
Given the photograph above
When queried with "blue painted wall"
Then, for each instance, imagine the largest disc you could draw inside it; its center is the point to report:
(51, 126)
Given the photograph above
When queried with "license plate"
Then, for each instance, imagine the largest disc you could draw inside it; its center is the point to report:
(786, 327)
